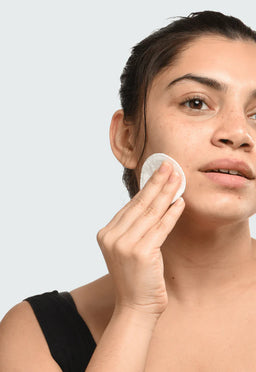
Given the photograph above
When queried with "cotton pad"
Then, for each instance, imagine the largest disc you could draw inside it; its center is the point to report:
(153, 162)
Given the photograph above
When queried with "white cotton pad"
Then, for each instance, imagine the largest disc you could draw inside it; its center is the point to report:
(153, 162)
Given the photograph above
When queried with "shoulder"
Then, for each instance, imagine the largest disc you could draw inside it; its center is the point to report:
(95, 303)
(22, 337)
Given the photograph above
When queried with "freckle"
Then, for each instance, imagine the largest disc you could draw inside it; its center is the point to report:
(173, 277)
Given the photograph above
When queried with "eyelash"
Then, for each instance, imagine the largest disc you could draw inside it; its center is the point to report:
(193, 98)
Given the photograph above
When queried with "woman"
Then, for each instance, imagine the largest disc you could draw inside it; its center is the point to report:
(181, 293)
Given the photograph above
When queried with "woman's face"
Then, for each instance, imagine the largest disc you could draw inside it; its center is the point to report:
(189, 119)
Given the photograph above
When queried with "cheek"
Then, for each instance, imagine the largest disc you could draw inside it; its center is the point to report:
(182, 140)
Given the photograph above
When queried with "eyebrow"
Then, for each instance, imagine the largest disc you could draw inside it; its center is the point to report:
(202, 80)
(212, 83)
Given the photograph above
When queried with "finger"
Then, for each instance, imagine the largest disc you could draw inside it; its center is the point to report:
(143, 198)
(153, 213)
(159, 232)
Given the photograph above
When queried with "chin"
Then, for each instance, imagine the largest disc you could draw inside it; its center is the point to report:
(219, 210)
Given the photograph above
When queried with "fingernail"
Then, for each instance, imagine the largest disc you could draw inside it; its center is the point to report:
(179, 201)
(174, 177)
(163, 168)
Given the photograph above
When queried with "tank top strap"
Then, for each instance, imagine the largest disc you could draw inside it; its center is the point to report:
(69, 339)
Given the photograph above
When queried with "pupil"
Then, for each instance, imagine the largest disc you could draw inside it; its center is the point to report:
(195, 103)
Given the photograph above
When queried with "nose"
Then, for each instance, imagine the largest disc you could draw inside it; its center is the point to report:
(233, 130)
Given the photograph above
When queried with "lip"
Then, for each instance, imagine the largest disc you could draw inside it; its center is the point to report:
(227, 180)
(234, 164)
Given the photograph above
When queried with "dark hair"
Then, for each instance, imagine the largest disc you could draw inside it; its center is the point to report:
(160, 50)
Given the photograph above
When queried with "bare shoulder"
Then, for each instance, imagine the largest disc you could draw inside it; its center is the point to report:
(95, 303)
(22, 343)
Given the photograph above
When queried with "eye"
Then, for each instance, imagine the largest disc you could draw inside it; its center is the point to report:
(195, 103)
(253, 116)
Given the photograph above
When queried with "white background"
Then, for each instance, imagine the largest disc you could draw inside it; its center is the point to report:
(60, 63)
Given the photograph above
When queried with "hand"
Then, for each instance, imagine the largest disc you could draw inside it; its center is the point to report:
(131, 243)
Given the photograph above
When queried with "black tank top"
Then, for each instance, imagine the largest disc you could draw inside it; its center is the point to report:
(69, 339)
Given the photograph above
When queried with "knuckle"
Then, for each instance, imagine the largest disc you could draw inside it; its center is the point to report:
(150, 211)
(139, 254)
(135, 256)
(100, 235)
(160, 225)
(166, 190)
(155, 179)
(106, 240)
(138, 202)
(119, 245)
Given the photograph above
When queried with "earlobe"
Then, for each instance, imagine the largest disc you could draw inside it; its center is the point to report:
(121, 136)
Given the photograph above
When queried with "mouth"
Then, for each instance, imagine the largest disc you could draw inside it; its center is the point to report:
(231, 181)
(230, 167)
(227, 172)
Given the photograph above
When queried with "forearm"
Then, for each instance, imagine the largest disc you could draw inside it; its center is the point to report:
(124, 344)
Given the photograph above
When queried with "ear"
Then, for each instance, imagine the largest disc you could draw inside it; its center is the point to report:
(122, 140)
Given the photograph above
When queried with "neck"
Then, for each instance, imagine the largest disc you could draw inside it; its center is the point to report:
(202, 262)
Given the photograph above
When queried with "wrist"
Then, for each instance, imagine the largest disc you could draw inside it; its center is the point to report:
(135, 316)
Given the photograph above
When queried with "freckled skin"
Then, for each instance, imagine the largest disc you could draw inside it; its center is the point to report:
(193, 138)
(209, 257)
(210, 251)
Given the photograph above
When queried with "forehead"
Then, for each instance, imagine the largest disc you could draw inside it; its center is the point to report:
(216, 56)
(213, 48)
